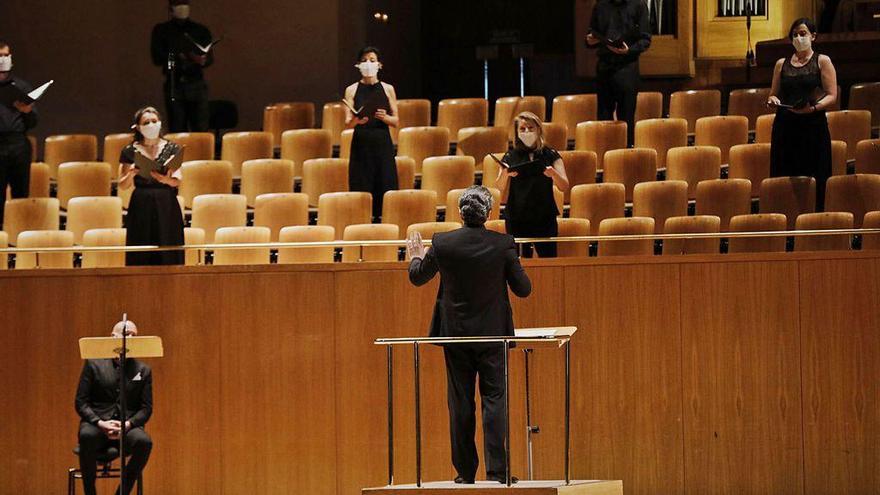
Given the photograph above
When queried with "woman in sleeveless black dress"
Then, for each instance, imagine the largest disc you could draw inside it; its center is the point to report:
(531, 207)
(154, 216)
(801, 142)
(371, 165)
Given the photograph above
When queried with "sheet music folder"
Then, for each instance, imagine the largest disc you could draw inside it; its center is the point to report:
(109, 347)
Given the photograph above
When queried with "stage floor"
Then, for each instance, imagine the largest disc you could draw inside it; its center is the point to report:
(544, 487)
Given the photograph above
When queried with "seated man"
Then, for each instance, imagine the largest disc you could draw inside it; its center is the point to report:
(97, 403)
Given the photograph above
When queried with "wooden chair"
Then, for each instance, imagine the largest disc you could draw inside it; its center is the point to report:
(428, 229)
(196, 145)
(69, 148)
(491, 169)
(851, 126)
(573, 227)
(764, 128)
(453, 214)
(691, 105)
(332, 121)
(555, 136)
(580, 167)
(204, 177)
(838, 157)
(752, 162)
(824, 221)
(871, 242)
(660, 200)
(455, 114)
(508, 107)
(661, 135)
(242, 235)
(559, 199)
(722, 131)
(77, 179)
(629, 167)
(571, 110)
(866, 96)
(305, 144)
(44, 239)
(868, 157)
(408, 206)
(497, 226)
(341, 209)
(39, 185)
(265, 176)
(857, 194)
(600, 136)
(477, 142)
(103, 238)
(649, 105)
(596, 202)
(626, 226)
(693, 164)
(411, 113)
(193, 237)
(370, 232)
(406, 172)
(113, 146)
(30, 214)
(34, 148)
(699, 224)
(345, 143)
(764, 222)
(279, 210)
(419, 143)
(4, 243)
(281, 117)
(750, 103)
(306, 233)
(725, 199)
(87, 213)
(323, 175)
(791, 196)
(239, 147)
(213, 211)
(444, 173)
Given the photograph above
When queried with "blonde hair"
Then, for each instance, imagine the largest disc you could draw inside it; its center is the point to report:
(539, 128)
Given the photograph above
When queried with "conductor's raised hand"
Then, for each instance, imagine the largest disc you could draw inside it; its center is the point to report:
(414, 246)
(623, 50)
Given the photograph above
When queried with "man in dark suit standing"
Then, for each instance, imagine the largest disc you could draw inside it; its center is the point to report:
(97, 403)
(476, 267)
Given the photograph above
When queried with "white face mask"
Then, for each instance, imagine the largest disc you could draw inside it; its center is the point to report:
(180, 12)
(802, 43)
(368, 69)
(6, 63)
(529, 138)
(151, 130)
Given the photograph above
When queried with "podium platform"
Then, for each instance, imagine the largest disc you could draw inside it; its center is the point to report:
(549, 487)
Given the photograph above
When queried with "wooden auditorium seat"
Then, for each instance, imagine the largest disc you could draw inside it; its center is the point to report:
(838, 157)
(97, 212)
(213, 211)
(723, 131)
(453, 214)
(103, 238)
(661, 135)
(406, 172)
(77, 179)
(750, 103)
(419, 143)
(752, 162)
(444, 173)
(200, 177)
(265, 176)
(242, 235)
(596, 202)
(280, 117)
(660, 200)
(724, 198)
(508, 107)
(341, 209)
(69, 148)
(626, 226)
(850, 126)
(279, 210)
(824, 221)
(791, 196)
(857, 194)
(300, 145)
(571, 110)
(497, 226)
(44, 239)
(491, 168)
(649, 105)
(197, 145)
(457, 113)
(600, 136)
(30, 214)
(332, 121)
(698, 224)
(762, 222)
(370, 232)
(868, 156)
(866, 96)
(113, 146)
(692, 105)
(477, 142)
(555, 136)
(4, 243)
(411, 113)
(573, 227)
(630, 166)
(323, 175)
(239, 147)
(345, 143)
(764, 128)
(871, 242)
(693, 164)
(193, 237)
(408, 206)
(40, 181)
(306, 233)
(580, 168)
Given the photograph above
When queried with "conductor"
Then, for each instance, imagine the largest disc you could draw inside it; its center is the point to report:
(476, 267)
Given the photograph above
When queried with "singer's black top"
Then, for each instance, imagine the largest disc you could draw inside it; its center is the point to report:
(171, 37)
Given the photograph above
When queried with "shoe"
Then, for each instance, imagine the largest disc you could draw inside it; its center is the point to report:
(501, 479)
(461, 481)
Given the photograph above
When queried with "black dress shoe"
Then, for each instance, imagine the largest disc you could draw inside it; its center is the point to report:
(461, 481)
(501, 479)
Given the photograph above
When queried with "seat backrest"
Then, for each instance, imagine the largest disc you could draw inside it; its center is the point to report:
(242, 235)
(453, 213)
(693, 164)
(4, 258)
(724, 198)
(851, 126)
(370, 232)
(838, 158)
(69, 148)
(279, 210)
(408, 206)
(596, 202)
(697, 224)
(281, 117)
(197, 145)
(323, 175)
(573, 227)
(83, 179)
(626, 226)
(871, 242)
(555, 136)
(95, 212)
(499, 226)
(200, 177)
(691, 105)
(30, 214)
(750, 103)
(752, 162)
(857, 194)
(661, 135)
(39, 181)
(332, 121)
(660, 200)
(457, 113)
(629, 167)
(477, 142)
(649, 105)
(406, 172)
(764, 128)
(580, 168)
(866, 96)
(265, 176)
(113, 146)
(419, 143)
(41, 239)
(868, 156)
(193, 237)
(300, 145)
(411, 113)
(239, 147)
(722, 131)
(345, 143)
(306, 233)
(571, 110)
(600, 136)
(791, 196)
(103, 237)
(213, 211)
(444, 173)
(342, 209)
(508, 107)
(824, 221)
(762, 222)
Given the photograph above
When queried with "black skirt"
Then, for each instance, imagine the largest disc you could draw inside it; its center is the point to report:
(372, 167)
(154, 218)
(801, 146)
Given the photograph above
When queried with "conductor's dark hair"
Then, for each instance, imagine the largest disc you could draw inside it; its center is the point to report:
(806, 21)
(369, 49)
(138, 137)
(475, 204)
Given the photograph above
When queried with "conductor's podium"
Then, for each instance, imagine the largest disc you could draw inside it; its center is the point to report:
(575, 487)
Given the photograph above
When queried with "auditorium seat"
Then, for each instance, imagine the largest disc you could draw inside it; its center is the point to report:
(213, 211)
(193, 237)
(626, 226)
(265, 176)
(477, 142)
(692, 105)
(453, 213)
(573, 227)
(34, 147)
(649, 105)
(857, 194)
(242, 235)
(239, 147)
(600, 136)
(596, 202)
(693, 164)
(103, 237)
(824, 221)
(764, 128)
(629, 167)
(419, 143)
(791, 196)
(44, 239)
(323, 175)
(428, 229)
(571, 110)
(86, 213)
(113, 146)
(750, 103)
(345, 143)
(559, 199)
(200, 177)
(280, 117)
(341, 209)
(30, 214)
(660, 200)
(698, 224)
(838, 157)
(851, 126)
(723, 132)
(868, 156)
(491, 169)
(580, 168)
(279, 210)
(408, 206)
(555, 136)
(197, 145)
(411, 113)
(508, 107)
(332, 121)
(306, 233)
(370, 232)
(406, 172)
(871, 242)
(39, 181)
(69, 148)
(4, 243)
(457, 113)
(497, 226)
(866, 96)
(77, 179)
(724, 198)
(444, 173)
(763, 222)
(661, 135)
(752, 162)
(304, 144)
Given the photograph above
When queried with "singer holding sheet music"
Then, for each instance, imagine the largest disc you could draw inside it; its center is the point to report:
(371, 108)
(154, 216)
(16, 120)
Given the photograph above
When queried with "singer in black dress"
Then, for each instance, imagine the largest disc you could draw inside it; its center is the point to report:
(371, 165)
(806, 82)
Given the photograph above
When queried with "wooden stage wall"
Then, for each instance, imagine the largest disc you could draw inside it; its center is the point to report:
(747, 374)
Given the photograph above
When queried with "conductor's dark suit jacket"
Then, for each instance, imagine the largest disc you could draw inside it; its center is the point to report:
(476, 267)
(97, 397)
